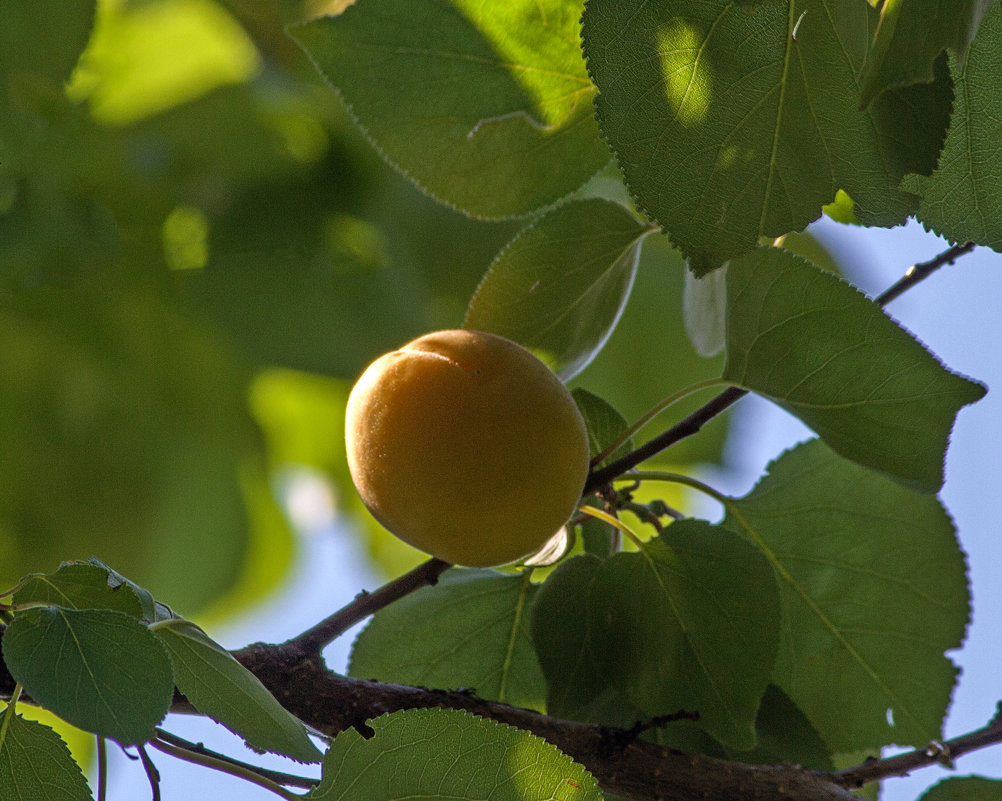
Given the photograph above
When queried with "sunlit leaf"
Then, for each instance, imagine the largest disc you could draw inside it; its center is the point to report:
(689, 622)
(962, 200)
(35, 764)
(824, 352)
(442, 754)
(149, 57)
(713, 113)
(485, 107)
(220, 687)
(101, 670)
(560, 286)
(873, 589)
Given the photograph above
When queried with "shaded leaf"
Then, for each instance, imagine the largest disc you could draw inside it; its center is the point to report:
(785, 735)
(689, 622)
(470, 630)
(605, 425)
(101, 670)
(78, 585)
(910, 36)
(873, 588)
(485, 107)
(560, 286)
(827, 354)
(962, 200)
(220, 687)
(715, 116)
(445, 754)
(36, 765)
(152, 610)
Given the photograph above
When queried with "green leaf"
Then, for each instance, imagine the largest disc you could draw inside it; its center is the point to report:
(560, 286)
(962, 200)
(220, 687)
(827, 354)
(965, 788)
(36, 765)
(910, 36)
(78, 585)
(689, 622)
(99, 669)
(785, 735)
(715, 116)
(485, 107)
(605, 425)
(469, 630)
(873, 588)
(445, 754)
(152, 610)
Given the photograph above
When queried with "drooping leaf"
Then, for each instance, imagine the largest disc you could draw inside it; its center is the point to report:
(965, 788)
(827, 354)
(910, 36)
(873, 589)
(78, 585)
(962, 200)
(704, 304)
(714, 115)
(35, 765)
(560, 286)
(605, 425)
(99, 669)
(485, 107)
(445, 754)
(689, 622)
(220, 687)
(470, 630)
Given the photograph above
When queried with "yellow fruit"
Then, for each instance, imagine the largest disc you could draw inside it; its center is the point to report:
(466, 446)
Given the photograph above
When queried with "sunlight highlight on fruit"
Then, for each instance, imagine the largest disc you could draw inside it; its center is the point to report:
(466, 446)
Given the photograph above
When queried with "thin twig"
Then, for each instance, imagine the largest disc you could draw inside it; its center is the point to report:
(253, 776)
(919, 272)
(287, 779)
(695, 421)
(151, 773)
(365, 604)
(102, 769)
(936, 753)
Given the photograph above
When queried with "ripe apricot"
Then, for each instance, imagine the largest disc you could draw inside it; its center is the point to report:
(466, 446)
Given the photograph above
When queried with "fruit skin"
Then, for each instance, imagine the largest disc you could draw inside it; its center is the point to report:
(466, 446)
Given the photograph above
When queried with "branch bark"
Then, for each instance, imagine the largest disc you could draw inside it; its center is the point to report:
(629, 767)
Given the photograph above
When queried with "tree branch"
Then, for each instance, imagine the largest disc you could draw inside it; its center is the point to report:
(365, 603)
(936, 753)
(622, 764)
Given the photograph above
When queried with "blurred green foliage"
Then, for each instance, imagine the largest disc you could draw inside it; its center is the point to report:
(198, 253)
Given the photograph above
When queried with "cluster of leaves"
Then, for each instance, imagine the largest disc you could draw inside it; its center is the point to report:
(811, 622)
